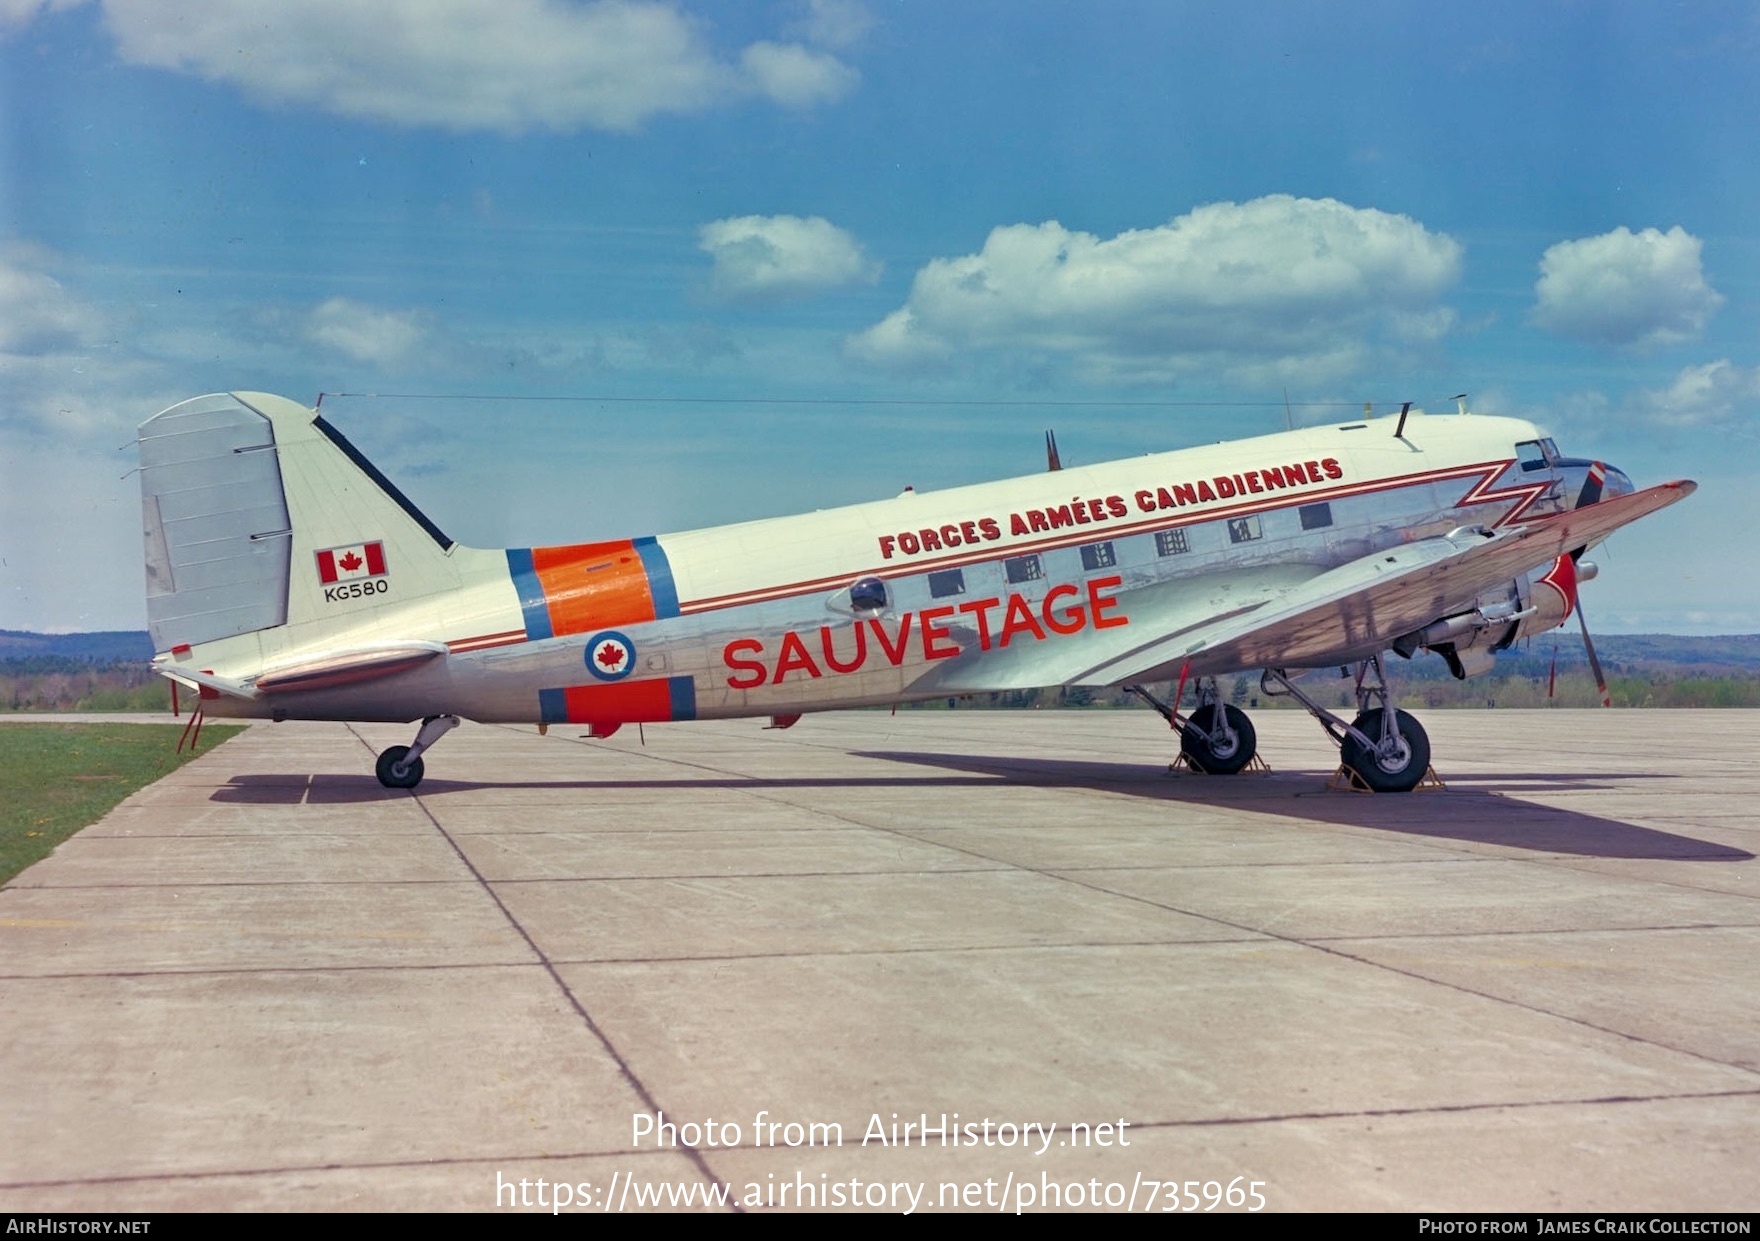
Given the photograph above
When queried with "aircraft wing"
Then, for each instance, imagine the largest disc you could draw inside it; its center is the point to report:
(1362, 606)
(1258, 621)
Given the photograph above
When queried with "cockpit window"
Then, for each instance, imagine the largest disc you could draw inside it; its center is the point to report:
(1533, 455)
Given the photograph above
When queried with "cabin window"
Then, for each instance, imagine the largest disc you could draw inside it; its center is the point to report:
(1098, 556)
(1316, 516)
(947, 582)
(867, 597)
(1244, 529)
(1023, 569)
(1171, 543)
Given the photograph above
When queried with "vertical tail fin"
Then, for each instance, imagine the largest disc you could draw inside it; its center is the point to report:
(258, 514)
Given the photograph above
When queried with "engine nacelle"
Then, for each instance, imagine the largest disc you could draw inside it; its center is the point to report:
(1528, 605)
(1551, 596)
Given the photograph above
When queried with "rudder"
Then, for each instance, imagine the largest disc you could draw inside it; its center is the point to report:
(218, 539)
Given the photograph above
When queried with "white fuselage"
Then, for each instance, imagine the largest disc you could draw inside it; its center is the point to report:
(983, 584)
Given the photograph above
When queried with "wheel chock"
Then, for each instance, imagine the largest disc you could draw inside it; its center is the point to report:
(1346, 780)
(1256, 766)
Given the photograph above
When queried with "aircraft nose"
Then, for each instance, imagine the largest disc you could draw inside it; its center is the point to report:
(1618, 483)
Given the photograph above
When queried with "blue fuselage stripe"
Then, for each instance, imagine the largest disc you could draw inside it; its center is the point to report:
(684, 697)
(660, 583)
(531, 593)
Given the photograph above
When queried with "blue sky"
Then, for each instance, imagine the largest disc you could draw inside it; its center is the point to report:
(677, 265)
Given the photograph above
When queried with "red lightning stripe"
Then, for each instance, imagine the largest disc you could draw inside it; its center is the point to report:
(1524, 495)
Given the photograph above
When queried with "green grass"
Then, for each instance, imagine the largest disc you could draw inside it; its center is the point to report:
(57, 778)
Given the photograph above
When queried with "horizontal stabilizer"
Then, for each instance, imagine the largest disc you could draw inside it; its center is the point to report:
(323, 670)
(208, 682)
(330, 669)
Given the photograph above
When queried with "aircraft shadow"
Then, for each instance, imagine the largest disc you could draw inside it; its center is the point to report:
(333, 789)
(319, 789)
(1484, 816)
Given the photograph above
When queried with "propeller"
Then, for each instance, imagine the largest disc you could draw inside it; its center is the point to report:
(1052, 460)
(1592, 485)
(1591, 494)
(1594, 663)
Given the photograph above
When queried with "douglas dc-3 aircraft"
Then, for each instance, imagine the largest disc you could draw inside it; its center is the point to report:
(287, 578)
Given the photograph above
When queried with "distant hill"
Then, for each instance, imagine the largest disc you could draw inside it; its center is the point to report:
(1641, 650)
(1641, 654)
(111, 646)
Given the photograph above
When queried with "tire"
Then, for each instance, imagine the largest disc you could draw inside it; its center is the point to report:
(1398, 774)
(1194, 741)
(408, 778)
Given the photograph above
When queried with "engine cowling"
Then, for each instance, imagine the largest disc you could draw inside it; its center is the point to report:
(1535, 603)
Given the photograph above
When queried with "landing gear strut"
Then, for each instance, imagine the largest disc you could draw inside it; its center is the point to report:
(1216, 739)
(400, 766)
(1386, 749)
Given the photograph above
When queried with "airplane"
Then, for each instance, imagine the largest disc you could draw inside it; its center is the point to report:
(288, 579)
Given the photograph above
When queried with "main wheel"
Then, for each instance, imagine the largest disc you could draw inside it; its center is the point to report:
(395, 773)
(1399, 769)
(1218, 756)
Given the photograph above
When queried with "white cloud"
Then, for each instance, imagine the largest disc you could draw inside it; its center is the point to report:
(37, 315)
(833, 23)
(777, 256)
(379, 337)
(796, 76)
(1279, 285)
(508, 65)
(21, 12)
(1626, 289)
(1717, 392)
(70, 534)
(61, 375)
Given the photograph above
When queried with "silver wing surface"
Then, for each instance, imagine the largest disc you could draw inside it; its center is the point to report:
(1294, 618)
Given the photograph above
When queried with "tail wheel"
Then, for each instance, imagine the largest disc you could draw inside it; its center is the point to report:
(1218, 755)
(1396, 768)
(395, 773)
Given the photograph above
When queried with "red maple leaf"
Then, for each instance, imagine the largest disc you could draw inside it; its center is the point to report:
(351, 562)
(610, 655)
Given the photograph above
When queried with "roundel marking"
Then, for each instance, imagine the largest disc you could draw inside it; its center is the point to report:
(610, 655)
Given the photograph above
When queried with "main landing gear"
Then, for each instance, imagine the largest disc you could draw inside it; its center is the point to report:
(1216, 739)
(1384, 749)
(400, 766)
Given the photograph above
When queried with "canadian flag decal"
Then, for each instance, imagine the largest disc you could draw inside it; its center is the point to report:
(342, 564)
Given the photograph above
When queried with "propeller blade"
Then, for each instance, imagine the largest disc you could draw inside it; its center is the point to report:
(1552, 676)
(1591, 491)
(1590, 494)
(1052, 460)
(1594, 663)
